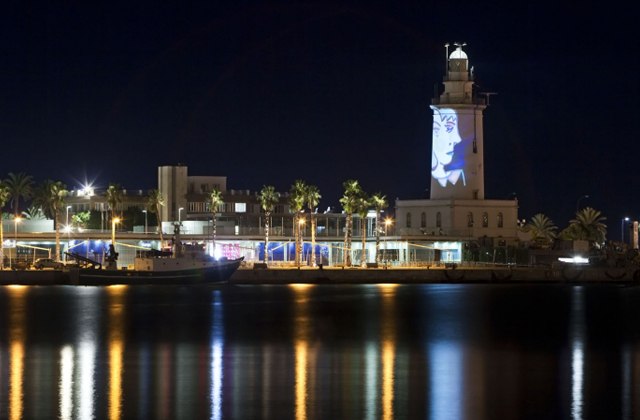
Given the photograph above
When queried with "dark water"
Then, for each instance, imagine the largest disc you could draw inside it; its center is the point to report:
(320, 352)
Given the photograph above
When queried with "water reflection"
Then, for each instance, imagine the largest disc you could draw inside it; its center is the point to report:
(86, 321)
(217, 350)
(388, 338)
(307, 352)
(17, 334)
(577, 339)
(116, 348)
(302, 329)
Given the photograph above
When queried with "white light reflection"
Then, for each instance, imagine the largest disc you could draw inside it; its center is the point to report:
(87, 353)
(217, 347)
(84, 387)
(66, 383)
(371, 377)
(446, 385)
(577, 337)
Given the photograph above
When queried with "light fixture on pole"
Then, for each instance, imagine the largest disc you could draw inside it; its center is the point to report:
(113, 230)
(622, 222)
(68, 207)
(145, 221)
(180, 214)
(301, 223)
(387, 222)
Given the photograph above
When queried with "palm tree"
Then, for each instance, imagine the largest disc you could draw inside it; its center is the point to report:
(5, 194)
(215, 201)
(296, 205)
(379, 203)
(362, 208)
(312, 197)
(352, 191)
(114, 197)
(155, 201)
(542, 230)
(19, 186)
(51, 199)
(269, 197)
(588, 226)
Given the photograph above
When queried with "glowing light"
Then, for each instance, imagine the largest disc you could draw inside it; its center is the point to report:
(217, 347)
(574, 260)
(445, 364)
(116, 345)
(65, 388)
(371, 376)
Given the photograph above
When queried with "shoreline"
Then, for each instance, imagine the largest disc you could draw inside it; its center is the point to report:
(578, 275)
(357, 275)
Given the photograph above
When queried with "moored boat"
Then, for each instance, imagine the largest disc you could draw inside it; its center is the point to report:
(185, 265)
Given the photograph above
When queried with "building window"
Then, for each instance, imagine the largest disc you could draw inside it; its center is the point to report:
(500, 220)
(408, 220)
(485, 219)
(470, 219)
(423, 220)
(438, 220)
(240, 207)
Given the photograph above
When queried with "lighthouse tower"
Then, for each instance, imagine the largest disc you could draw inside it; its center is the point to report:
(457, 168)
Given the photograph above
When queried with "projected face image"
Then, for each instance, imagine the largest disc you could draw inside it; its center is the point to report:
(445, 138)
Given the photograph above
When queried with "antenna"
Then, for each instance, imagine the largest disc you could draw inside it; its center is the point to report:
(487, 95)
(446, 58)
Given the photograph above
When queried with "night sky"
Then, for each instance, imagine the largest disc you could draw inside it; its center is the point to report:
(267, 93)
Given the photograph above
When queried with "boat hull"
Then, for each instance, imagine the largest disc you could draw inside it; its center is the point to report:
(221, 272)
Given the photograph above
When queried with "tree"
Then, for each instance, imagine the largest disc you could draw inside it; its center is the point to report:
(297, 195)
(379, 203)
(19, 186)
(81, 219)
(5, 194)
(215, 201)
(312, 197)
(352, 191)
(50, 197)
(269, 197)
(542, 230)
(34, 213)
(362, 208)
(114, 197)
(155, 201)
(588, 226)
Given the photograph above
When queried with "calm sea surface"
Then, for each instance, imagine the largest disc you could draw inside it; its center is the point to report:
(320, 352)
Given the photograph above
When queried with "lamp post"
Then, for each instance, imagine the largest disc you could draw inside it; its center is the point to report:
(113, 229)
(622, 222)
(16, 220)
(180, 214)
(301, 223)
(387, 223)
(145, 221)
(578, 202)
(68, 207)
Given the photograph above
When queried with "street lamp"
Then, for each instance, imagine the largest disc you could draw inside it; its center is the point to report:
(145, 221)
(16, 220)
(301, 223)
(113, 230)
(68, 207)
(180, 214)
(622, 222)
(578, 202)
(387, 222)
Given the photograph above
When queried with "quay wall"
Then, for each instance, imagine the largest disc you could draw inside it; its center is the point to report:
(437, 275)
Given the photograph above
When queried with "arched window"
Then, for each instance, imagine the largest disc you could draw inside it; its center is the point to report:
(500, 220)
(438, 220)
(423, 219)
(485, 219)
(470, 219)
(408, 220)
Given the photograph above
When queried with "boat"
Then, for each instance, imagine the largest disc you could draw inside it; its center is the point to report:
(186, 265)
